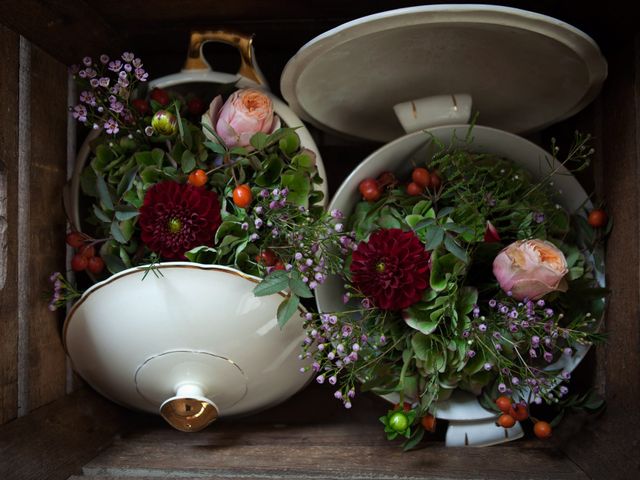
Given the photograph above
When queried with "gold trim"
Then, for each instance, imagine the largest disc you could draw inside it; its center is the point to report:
(179, 414)
(196, 61)
(134, 270)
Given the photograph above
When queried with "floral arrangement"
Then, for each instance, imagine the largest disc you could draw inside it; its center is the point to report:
(467, 276)
(167, 180)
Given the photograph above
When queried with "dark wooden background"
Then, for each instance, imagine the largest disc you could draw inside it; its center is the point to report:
(41, 399)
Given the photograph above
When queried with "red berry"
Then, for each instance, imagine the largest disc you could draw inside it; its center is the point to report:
(414, 189)
(370, 190)
(503, 403)
(142, 106)
(196, 106)
(506, 420)
(242, 196)
(267, 258)
(160, 96)
(75, 239)
(421, 176)
(88, 251)
(406, 406)
(597, 218)
(95, 265)
(435, 181)
(386, 179)
(79, 262)
(198, 178)
(279, 266)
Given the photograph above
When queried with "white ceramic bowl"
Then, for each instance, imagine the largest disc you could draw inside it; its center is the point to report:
(190, 341)
(462, 409)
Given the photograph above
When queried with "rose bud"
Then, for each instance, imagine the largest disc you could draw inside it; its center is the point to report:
(530, 269)
(491, 235)
(244, 114)
(164, 123)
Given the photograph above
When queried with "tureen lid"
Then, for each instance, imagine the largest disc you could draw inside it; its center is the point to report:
(523, 70)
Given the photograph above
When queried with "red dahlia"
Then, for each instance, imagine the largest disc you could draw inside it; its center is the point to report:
(391, 269)
(177, 217)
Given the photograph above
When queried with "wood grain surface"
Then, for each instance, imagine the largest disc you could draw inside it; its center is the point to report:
(9, 51)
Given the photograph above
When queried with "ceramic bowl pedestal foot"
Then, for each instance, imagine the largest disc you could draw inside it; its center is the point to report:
(480, 433)
(189, 410)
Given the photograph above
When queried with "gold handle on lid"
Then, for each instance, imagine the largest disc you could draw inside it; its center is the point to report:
(248, 66)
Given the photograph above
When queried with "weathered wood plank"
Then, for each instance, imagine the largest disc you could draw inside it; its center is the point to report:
(322, 451)
(53, 442)
(606, 447)
(9, 52)
(45, 250)
(67, 30)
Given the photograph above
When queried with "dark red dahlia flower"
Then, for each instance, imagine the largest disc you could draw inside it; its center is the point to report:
(177, 217)
(391, 269)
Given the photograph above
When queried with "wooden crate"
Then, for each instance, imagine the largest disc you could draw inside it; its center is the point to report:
(54, 427)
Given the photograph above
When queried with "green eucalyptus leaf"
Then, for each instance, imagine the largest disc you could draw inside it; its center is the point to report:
(188, 162)
(116, 233)
(126, 215)
(275, 282)
(452, 246)
(287, 309)
(298, 287)
(215, 147)
(100, 215)
(434, 237)
(126, 181)
(146, 159)
(113, 263)
(202, 254)
(103, 193)
(420, 320)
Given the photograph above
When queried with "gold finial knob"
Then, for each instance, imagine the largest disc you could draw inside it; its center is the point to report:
(189, 410)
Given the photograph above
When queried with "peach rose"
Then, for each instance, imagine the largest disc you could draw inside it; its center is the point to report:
(531, 269)
(245, 113)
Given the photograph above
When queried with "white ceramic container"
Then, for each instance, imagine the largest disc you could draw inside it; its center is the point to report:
(470, 424)
(430, 68)
(189, 341)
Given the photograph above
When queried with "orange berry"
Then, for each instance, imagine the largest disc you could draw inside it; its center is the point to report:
(507, 421)
(519, 411)
(597, 218)
(242, 196)
(429, 423)
(542, 429)
(503, 403)
(198, 178)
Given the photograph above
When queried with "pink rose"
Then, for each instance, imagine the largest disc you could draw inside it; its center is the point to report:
(531, 269)
(245, 113)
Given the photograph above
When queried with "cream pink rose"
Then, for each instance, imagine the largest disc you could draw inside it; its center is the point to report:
(245, 113)
(531, 269)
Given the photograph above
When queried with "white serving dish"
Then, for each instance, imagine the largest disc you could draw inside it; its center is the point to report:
(187, 340)
(395, 156)
(194, 339)
(398, 74)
